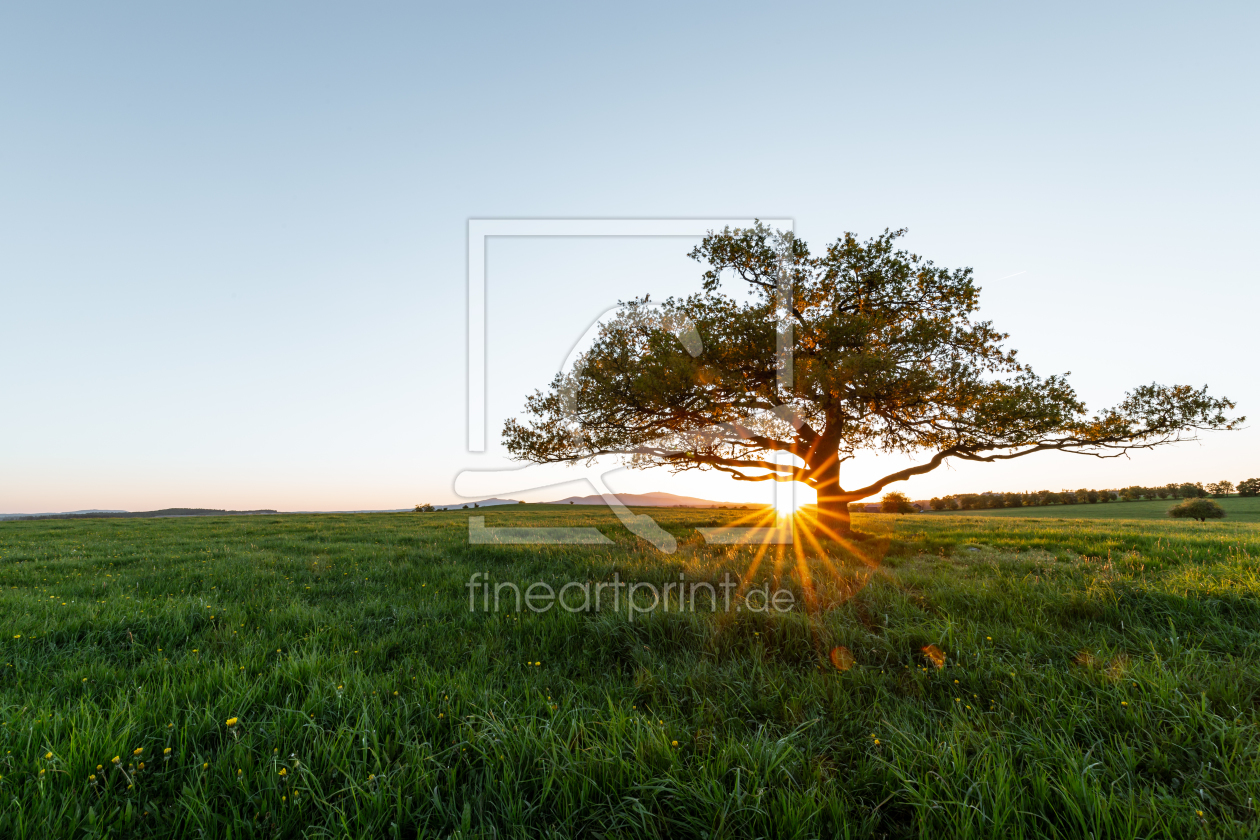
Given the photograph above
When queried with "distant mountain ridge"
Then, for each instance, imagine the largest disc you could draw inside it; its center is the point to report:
(654, 499)
(57, 513)
(143, 514)
(478, 503)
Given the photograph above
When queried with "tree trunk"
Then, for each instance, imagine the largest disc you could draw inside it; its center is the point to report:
(833, 513)
(833, 504)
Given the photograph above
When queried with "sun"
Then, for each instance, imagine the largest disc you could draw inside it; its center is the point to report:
(788, 503)
(785, 507)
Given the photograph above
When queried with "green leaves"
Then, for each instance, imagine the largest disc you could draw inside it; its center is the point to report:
(862, 347)
(1200, 509)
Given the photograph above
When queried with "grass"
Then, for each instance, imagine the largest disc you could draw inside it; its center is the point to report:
(1236, 509)
(1101, 678)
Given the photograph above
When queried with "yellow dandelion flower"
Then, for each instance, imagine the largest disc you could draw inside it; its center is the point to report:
(92, 778)
(166, 751)
(48, 755)
(116, 759)
(231, 721)
(284, 771)
(673, 743)
(239, 771)
(137, 751)
(42, 772)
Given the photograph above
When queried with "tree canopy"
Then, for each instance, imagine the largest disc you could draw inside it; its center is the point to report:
(1200, 509)
(862, 347)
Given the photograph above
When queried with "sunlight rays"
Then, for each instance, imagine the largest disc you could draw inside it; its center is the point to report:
(823, 573)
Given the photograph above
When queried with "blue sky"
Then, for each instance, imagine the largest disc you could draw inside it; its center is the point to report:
(232, 238)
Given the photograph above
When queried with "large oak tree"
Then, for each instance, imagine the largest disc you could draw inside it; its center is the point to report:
(864, 347)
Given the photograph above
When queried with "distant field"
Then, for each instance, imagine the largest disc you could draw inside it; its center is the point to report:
(1097, 678)
(1236, 509)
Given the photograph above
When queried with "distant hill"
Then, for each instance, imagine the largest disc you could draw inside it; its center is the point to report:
(143, 514)
(56, 513)
(656, 499)
(479, 503)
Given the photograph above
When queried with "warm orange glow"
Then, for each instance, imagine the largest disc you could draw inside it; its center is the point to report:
(807, 560)
(787, 505)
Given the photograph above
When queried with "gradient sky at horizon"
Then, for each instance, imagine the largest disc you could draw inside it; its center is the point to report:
(232, 237)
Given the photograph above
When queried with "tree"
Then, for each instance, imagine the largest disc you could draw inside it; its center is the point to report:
(425, 508)
(1221, 488)
(1191, 491)
(1249, 487)
(938, 503)
(886, 355)
(894, 502)
(1200, 509)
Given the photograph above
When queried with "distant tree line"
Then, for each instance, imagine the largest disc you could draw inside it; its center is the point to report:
(1086, 496)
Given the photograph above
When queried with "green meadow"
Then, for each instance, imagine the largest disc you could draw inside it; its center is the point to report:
(1236, 508)
(323, 676)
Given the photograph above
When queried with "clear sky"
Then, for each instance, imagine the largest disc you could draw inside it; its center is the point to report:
(232, 237)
